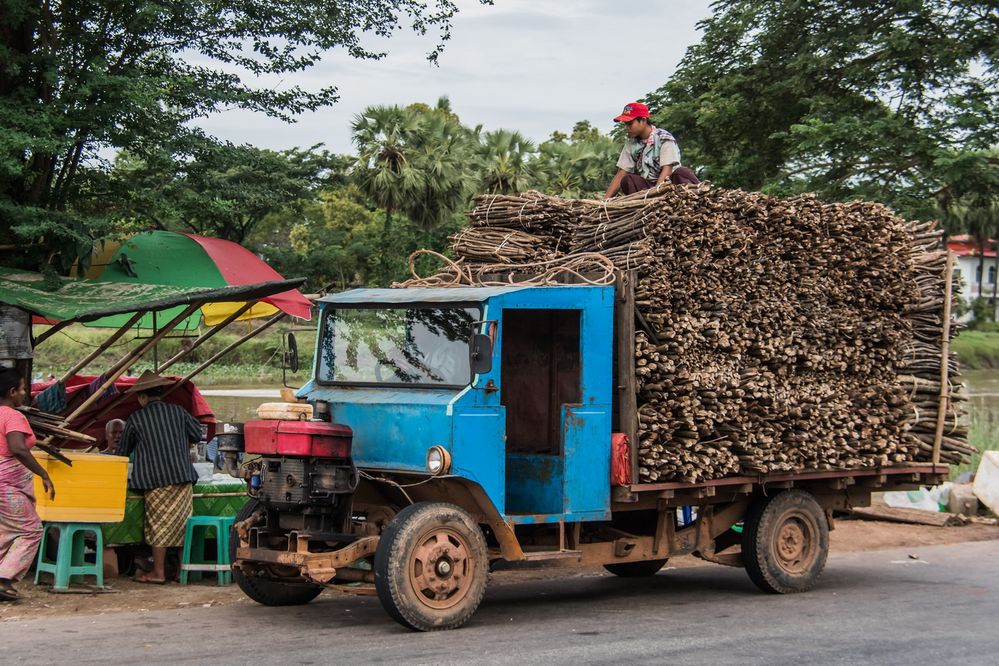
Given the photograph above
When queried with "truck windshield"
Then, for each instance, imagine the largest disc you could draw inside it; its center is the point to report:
(419, 346)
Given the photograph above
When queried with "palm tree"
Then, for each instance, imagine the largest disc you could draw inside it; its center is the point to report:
(416, 160)
(579, 168)
(505, 162)
(444, 159)
(384, 172)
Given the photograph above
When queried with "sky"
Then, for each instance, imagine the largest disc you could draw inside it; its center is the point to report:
(534, 66)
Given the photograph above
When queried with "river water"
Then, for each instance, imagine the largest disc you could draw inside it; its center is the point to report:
(238, 404)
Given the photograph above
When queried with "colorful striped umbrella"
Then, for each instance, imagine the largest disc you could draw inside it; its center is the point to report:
(189, 260)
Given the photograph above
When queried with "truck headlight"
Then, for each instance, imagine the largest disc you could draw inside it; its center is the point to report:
(438, 460)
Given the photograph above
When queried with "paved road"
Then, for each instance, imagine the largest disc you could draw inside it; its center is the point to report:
(871, 608)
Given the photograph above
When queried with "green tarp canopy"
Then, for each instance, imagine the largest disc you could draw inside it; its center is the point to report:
(81, 300)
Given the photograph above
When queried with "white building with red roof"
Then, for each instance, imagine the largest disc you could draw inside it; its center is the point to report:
(976, 267)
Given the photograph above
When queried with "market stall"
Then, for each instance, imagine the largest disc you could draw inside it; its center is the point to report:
(70, 411)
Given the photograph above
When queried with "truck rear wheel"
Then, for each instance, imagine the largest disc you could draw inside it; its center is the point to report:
(430, 567)
(636, 569)
(785, 542)
(267, 591)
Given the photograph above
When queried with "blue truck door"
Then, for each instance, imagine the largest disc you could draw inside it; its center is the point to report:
(585, 428)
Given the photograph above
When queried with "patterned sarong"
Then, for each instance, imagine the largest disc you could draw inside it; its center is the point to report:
(20, 528)
(167, 511)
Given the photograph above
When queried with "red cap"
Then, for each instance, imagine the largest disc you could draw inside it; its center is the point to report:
(632, 111)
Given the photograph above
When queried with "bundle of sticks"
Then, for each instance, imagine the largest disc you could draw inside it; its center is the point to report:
(777, 334)
(920, 367)
(44, 425)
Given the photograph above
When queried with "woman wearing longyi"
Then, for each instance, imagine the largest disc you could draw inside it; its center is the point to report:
(20, 527)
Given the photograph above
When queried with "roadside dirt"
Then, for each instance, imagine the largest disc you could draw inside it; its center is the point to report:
(126, 596)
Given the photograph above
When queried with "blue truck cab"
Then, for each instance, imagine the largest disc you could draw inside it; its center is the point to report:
(532, 429)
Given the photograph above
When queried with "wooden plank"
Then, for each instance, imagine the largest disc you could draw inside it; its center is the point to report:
(909, 471)
(910, 516)
(624, 328)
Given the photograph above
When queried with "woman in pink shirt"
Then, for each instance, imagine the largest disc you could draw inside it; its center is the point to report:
(20, 528)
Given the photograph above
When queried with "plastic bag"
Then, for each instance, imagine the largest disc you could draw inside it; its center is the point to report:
(935, 498)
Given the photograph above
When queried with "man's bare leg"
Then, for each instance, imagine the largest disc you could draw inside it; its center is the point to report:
(158, 573)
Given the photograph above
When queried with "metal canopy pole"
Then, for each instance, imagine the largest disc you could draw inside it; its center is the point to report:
(263, 327)
(102, 348)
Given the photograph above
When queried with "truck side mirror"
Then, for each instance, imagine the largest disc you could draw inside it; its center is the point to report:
(480, 349)
(292, 352)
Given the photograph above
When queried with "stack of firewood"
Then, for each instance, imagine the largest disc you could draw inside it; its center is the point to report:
(776, 334)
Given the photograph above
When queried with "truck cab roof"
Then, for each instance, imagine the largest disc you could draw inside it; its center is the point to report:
(419, 295)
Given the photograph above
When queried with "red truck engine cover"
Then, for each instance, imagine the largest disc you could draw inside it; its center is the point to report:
(298, 438)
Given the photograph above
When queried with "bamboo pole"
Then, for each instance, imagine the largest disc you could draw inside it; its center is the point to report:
(944, 353)
(45, 335)
(206, 336)
(126, 362)
(252, 334)
(97, 352)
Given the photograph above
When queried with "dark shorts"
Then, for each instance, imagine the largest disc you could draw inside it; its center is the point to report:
(681, 176)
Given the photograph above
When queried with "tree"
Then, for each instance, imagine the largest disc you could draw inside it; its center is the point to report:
(414, 160)
(505, 162)
(580, 165)
(333, 241)
(224, 190)
(874, 98)
(80, 77)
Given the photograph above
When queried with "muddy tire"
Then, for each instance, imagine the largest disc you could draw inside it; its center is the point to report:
(636, 569)
(267, 591)
(785, 542)
(431, 567)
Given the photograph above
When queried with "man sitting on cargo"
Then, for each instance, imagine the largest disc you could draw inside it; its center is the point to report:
(650, 158)
(158, 438)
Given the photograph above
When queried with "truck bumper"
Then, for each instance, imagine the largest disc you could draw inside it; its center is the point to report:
(318, 567)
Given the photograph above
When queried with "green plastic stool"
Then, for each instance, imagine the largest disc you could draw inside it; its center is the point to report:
(194, 561)
(70, 562)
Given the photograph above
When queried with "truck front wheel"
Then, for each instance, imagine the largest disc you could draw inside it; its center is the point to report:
(785, 542)
(267, 591)
(430, 567)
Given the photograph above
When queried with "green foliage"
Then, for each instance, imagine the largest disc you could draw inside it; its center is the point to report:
(414, 160)
(579, 165)
(223, 190)
(505, 163)
(78, 78)
(983, 312)
(885, 100)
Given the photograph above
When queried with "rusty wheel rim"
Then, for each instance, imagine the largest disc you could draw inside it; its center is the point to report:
(441, 567)
(796, 542)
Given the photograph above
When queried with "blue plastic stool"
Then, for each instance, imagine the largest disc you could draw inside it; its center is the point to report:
(194, 561)
(70, 562)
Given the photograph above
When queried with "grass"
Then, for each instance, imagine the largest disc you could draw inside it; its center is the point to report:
(255, 361)
(977, 349)
(983, 435)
